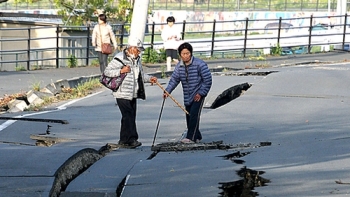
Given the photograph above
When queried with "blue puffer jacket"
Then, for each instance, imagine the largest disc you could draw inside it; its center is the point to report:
(195, 78)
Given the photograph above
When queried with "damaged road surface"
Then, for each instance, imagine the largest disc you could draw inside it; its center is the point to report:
(286, 135)
(150, 174)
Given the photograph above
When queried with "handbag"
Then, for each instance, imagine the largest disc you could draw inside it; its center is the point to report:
(106, 48)
(113, 83)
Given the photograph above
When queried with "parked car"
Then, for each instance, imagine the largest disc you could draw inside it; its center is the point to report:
(274, 26)
(287, 51)
(300, 50)
(321, 27)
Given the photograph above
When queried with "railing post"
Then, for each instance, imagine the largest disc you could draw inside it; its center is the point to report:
(152, 35)
(344, 30)
(122, 37)
(88, 45)
(208, 5)
(183, 30)
(279, 30)
(213, 39)
(28, 49)
(245, 37)
(310, 34)
(57, 46)
(16, 61)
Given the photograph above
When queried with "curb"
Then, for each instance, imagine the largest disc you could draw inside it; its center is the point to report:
(37, 97)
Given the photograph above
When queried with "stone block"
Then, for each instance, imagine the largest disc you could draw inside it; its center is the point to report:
(36, 97)
(56, 87)
(17, 106)
(33, 98)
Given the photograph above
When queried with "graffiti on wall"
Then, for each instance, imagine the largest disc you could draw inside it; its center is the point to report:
(233, 21)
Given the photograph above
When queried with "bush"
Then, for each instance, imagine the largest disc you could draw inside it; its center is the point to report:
(153, 56)
(72, 61)
(277, 50)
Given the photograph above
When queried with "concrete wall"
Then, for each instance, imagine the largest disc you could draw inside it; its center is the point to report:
(21, 32)
(160, 16)
(43, 46)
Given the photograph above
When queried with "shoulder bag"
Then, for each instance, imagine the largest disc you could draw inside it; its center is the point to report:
(113, 83)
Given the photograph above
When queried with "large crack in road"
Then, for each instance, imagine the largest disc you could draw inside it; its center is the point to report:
(83, 159)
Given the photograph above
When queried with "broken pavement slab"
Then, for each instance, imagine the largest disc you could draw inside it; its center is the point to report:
(46, 140)
(220, 145)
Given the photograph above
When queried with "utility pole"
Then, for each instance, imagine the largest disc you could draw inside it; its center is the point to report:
(341, 10)
(139, 19)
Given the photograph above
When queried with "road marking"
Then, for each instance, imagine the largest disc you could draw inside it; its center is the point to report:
(59, 108)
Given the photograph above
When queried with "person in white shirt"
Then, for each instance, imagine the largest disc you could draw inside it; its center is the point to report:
(171, 36)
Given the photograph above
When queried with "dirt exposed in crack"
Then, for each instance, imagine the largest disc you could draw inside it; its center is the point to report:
(262, 73)
(233, 157)
(245, 186)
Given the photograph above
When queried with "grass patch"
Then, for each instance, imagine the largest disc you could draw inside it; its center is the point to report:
(36, 86)
(80, 91)
(95, 63)
(20, 68)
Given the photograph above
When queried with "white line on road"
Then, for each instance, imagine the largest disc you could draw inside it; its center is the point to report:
(59, 108)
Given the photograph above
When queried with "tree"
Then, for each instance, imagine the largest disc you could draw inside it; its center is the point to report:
(81, 12)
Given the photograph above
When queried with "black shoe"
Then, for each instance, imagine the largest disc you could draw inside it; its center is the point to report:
(134, 144)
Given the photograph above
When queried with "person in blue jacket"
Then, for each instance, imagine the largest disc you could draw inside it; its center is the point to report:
(196, 80)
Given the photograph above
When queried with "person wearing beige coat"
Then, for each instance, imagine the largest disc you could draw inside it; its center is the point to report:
(103, 32)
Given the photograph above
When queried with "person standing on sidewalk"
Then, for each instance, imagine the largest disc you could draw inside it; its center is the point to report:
(102, 33)
(131, 89)
(196, 81)
(171, 36)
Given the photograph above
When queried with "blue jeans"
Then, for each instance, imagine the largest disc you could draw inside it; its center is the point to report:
(102, 58)
(193, 118)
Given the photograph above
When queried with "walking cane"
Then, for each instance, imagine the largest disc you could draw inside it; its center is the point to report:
(160, 115)
(172, 98)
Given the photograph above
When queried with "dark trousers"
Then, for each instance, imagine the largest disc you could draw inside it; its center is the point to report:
(102, 59)
(193, 119)
(128, 132)
(172, 53)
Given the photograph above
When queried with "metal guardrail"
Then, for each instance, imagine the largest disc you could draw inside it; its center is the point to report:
(205, 5)
(62, 43)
